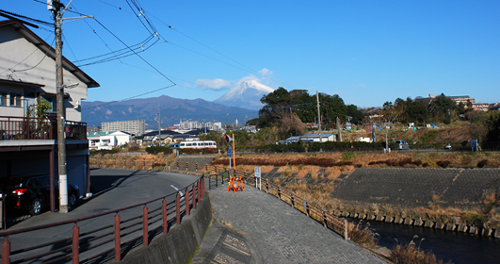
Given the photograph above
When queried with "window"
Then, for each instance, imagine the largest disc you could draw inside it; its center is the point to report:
(18, 100)
(3, 99)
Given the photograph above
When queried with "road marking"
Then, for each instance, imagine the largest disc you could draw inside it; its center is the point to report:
(180, 192)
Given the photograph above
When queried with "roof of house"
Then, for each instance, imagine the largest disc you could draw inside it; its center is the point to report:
(47, 49)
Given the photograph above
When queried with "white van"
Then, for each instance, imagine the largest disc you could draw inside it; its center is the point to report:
(402, 144)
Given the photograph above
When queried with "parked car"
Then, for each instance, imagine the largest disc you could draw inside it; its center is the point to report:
(32, 192)
(401, 144)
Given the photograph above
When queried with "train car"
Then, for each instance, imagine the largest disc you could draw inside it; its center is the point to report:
(195, 144)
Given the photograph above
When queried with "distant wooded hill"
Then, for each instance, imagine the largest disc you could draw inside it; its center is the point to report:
(172, 110)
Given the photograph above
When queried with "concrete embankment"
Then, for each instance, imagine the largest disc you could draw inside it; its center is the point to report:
(411, 188)
(181, 242)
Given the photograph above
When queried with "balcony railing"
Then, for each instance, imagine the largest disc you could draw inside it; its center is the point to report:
(28, 128)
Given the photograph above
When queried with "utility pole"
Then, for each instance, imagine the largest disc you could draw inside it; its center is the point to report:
(159, 128)
(319, 118)
(61, 111)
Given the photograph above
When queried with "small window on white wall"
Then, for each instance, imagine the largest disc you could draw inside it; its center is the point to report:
(3, 99)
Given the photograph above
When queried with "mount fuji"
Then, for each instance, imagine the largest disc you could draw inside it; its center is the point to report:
(245, 94)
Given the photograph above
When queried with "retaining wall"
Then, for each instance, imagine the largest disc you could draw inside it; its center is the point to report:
(181, 242)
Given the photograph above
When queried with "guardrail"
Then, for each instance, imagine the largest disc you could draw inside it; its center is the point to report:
(91, 238)
(330, 221)
(29, 128)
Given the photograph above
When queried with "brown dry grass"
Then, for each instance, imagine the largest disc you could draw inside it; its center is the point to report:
(456, 159)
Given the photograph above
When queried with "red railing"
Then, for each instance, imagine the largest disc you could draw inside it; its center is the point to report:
(92, 237)
(28, 128)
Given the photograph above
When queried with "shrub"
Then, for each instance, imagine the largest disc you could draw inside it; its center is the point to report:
(443, 163)
(409, 254)
(104, 151)
(417, 162)
(365, 237)
(482, 163)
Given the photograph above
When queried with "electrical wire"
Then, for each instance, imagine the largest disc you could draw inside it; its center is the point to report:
(12, 69)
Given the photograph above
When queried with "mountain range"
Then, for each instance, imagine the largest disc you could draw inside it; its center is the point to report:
(241, 103)
(172, 110)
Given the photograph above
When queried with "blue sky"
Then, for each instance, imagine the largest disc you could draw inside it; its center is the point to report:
(367, 52)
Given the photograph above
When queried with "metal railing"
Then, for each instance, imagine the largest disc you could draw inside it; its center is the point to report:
(90, 238)
(29, 128)
(330, 221)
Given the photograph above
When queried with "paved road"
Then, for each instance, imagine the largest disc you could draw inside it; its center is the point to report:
(266, 230)
(113, 189)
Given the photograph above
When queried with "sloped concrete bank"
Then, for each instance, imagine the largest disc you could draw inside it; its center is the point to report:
(413, 188)
(464, 228)
(181, 242)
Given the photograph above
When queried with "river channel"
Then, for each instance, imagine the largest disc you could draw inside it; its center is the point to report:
(460, 248)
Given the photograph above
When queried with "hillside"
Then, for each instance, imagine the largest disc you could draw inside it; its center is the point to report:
(172, 111)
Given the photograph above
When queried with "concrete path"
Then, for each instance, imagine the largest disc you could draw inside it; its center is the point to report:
(267, 230)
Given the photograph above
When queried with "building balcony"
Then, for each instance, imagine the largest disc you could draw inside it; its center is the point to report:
(27, 128)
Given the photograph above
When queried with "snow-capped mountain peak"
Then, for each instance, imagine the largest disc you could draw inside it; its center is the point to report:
(246, 93)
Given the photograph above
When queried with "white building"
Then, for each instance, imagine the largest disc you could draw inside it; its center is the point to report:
(134, 127)
(108, 140)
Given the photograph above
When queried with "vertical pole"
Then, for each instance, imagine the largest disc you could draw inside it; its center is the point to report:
(118, 256)
(61, 112)
(145, 240)
(319, 117)
(51, 179)
(159, 128)
(178, 208)
(164, 214)
(198, 184)
(187, 201)
(202, 187)
(88, 174)
(346, 236)
(234, 154)
(194, 196)
(74, 247)
(6, 251)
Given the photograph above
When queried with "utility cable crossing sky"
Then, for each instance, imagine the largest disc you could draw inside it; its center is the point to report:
(366, 52)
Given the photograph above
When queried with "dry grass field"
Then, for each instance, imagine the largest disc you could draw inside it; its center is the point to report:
(314, 176)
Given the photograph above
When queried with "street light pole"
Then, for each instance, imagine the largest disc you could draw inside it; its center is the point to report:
(319, 118)
(61, 113)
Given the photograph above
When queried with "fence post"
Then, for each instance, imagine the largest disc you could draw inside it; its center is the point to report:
(74, 247)
(198, 184)
(164, 212)
(279, 192)
(118, 256)
(194, 196)
(324, 219)
(178, 208)
(145, 240)
(202, 187)
(346, 235)
(292, 200)
(187, 201)
(196, 167)
(6, 251)
(187, 166)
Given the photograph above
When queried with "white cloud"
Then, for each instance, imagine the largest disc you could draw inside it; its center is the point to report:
(214, 84)
(265, 72)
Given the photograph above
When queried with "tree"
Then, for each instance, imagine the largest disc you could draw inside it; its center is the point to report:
(39, 109)
(357, 116)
